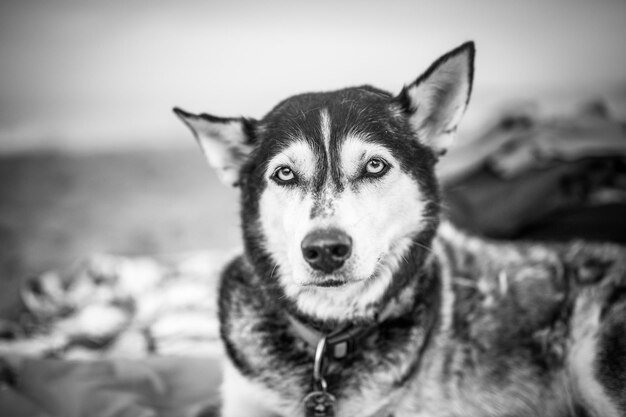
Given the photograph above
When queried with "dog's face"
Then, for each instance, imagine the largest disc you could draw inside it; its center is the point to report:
(338, 188)
(345, 192)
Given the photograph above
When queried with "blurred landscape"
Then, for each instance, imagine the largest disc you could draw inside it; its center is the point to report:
(56, 210)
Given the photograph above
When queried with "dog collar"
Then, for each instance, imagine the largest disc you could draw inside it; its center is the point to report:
(335, 345)
(339, 343)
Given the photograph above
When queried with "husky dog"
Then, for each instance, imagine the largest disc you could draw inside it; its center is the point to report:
(352, 298)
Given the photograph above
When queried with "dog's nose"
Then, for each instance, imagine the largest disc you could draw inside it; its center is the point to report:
(326, 249)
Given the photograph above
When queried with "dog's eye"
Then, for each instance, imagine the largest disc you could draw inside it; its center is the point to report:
(284, 175)
(375, 167)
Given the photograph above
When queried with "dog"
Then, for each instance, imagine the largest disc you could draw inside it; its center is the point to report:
(354, 298)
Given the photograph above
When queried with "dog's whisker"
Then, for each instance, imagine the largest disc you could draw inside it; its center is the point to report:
(272, 272)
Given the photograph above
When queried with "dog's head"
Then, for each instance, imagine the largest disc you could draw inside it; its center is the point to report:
(339, 197)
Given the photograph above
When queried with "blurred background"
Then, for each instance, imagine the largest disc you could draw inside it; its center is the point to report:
(92, 159)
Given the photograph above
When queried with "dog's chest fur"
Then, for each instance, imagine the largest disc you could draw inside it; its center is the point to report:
(491, 333)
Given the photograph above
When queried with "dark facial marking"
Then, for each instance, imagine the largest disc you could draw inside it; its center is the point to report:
(322, 204)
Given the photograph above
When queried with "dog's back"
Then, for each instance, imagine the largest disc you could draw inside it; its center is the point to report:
(529, 329)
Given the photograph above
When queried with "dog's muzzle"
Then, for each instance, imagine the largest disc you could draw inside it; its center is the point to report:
(326, 250)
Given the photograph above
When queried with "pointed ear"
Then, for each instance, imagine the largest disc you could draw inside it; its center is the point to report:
(225, 142)
(437, 100)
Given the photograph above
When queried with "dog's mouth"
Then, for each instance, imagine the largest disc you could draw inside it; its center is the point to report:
(331, 283)
(327, 283)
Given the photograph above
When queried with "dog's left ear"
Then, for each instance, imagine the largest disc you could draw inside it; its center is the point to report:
(437, 100)
(225, 142)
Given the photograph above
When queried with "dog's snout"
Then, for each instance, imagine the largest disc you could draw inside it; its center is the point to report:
(326, 249)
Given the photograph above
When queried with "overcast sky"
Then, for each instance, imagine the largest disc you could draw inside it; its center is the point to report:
(88, 74)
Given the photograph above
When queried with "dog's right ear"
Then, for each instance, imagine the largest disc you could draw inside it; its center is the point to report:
(225, 142)
(436, 101)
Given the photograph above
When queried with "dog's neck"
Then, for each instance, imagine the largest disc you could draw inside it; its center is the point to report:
(415, 310)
